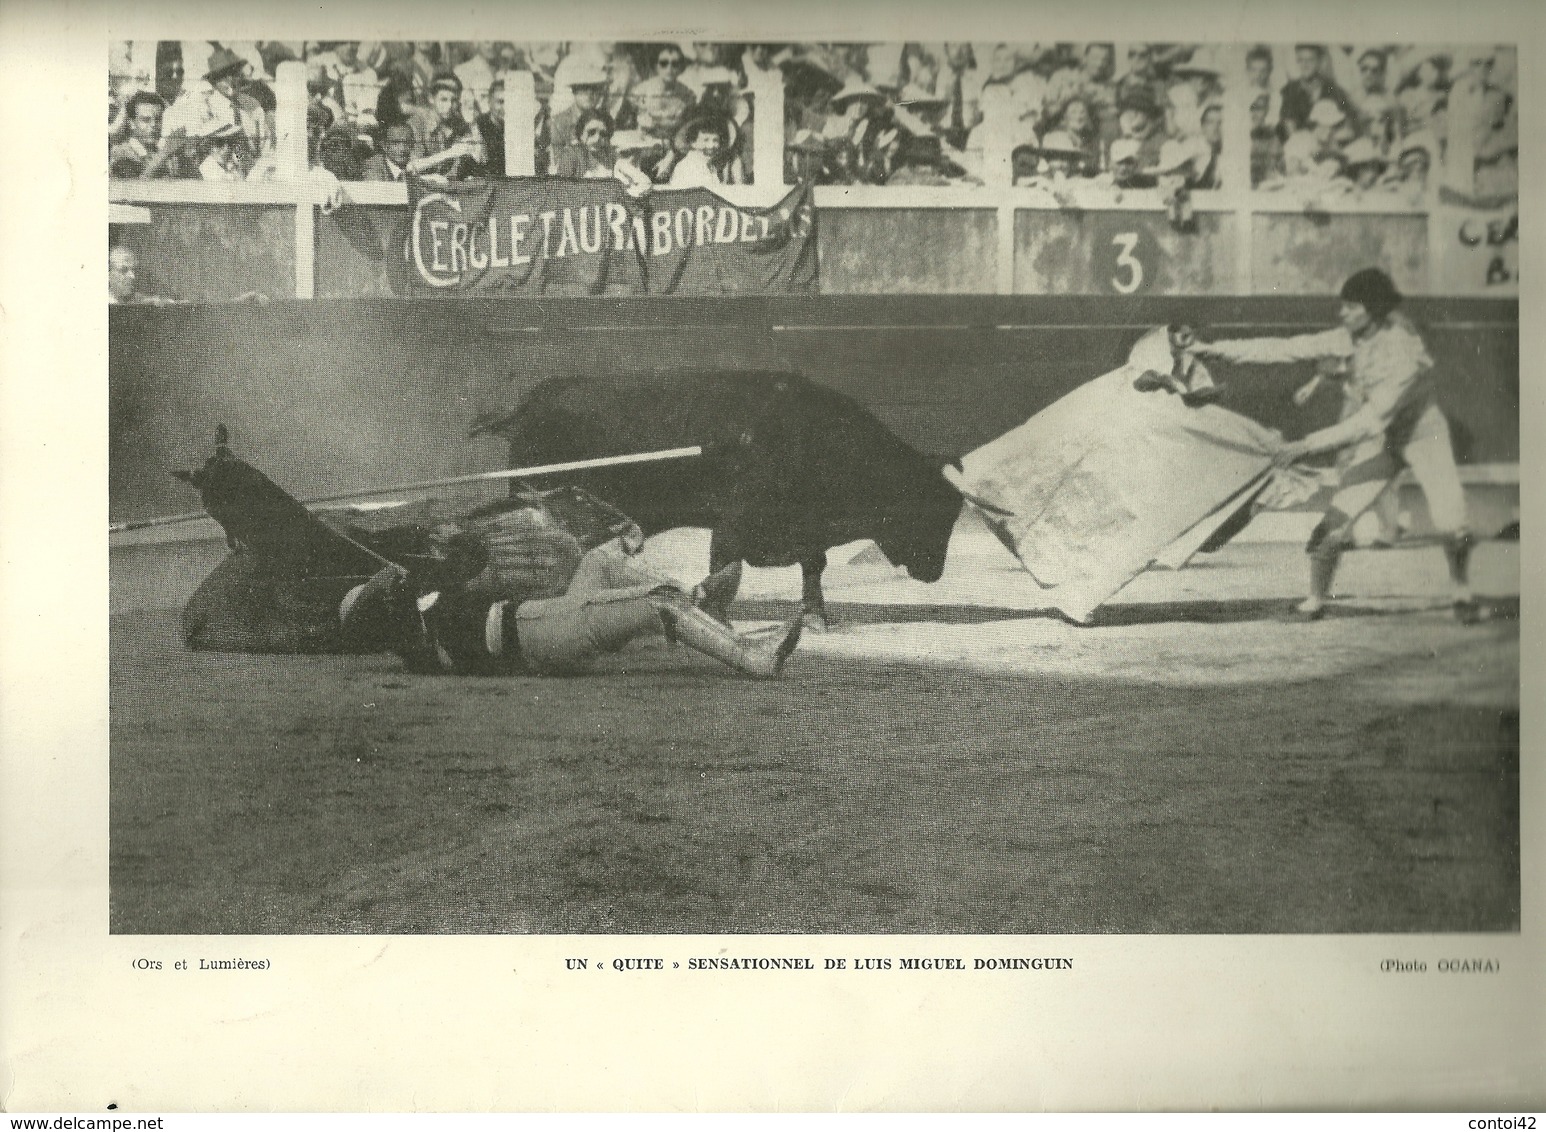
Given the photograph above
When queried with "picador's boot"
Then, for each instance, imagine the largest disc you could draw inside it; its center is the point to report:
(696, 629)
(383, 616)
(714, 594)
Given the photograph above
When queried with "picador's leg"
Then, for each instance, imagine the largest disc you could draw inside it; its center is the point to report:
(813, 603)
(565, 634)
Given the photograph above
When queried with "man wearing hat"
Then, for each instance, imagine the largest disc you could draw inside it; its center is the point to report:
(220, 101)
(1391, 421)
(587, 83)
(222, 162)
(1365, 166)
(1127, 167)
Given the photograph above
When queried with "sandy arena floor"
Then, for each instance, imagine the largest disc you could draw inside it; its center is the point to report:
(952, 758)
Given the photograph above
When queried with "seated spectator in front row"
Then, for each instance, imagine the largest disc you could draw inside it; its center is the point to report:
(123, 267)
(144, 153)
(445, 143)
(391, 164)
(1138, 120)
(1127, 169)
(1313, 154)
(595, 157)
(920, 159)
(587, 83)
(706, 146)
(491, 128)
(1365, 167)
(222, 161)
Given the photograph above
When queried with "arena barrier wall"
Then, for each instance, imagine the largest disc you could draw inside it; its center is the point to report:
(332, 395)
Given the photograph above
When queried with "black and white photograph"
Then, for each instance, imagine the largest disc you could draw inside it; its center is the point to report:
(679, 502)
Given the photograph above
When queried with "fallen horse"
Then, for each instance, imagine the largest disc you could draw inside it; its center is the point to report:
(542, 582)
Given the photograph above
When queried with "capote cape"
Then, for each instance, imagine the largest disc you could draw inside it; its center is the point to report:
(1109, 479)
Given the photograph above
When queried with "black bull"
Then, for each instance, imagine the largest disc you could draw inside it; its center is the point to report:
(789, 468)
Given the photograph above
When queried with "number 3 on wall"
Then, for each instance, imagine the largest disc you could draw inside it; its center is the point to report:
(1129, 275)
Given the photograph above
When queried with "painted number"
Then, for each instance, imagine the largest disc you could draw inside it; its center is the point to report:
(1126, 243)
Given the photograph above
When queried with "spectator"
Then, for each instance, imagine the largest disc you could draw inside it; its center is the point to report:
(197, 112)
(1258, 81)
(491, 128)
(169, 71)
(705, 145)
(1382, 124)
(1210, 165)
(1049, 166)
(860, 117)
(425, 62)
(587, 84)
(1142, 79)
(595, 157)
(920, 160)
(1365, 165)
(1414, 165)
(1080, 133)
(719, 100)
(1138, 121)
(1371, 97)
(710, 63)
(1300, 94)
(591, 154)
(337, 154)
(1266, 145)
(321, 91)
(397, 104)
(445, 142)
(1313, 153)
(962, 88)
(123, 265)
(623, 75)
(1197, 84)
(143, 153)
(1090, 81)
(222, 161)
(1424, 94)
(1127, 168)
(1174, 174)
(358, 86)
(477, 74)
(661, 103)
(391, 164)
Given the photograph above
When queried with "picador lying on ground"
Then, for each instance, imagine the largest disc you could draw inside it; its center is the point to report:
(540, 583)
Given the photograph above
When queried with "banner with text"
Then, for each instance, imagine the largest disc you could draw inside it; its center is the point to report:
(536, 236)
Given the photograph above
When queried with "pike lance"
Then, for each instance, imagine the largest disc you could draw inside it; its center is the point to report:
(427, 485)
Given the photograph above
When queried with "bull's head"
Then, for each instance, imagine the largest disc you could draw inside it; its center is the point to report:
(916, 535)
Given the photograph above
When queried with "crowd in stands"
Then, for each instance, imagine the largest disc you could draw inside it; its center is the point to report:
(1385, 120)
(1074, 117)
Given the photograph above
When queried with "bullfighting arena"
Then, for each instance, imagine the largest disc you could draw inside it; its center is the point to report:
(952, 758)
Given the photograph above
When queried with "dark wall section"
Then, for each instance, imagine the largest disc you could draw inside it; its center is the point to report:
(337, 394)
